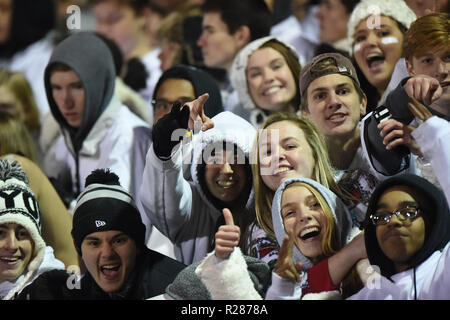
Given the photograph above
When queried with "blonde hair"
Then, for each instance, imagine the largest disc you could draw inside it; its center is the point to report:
(329, 243)
(322, 171)
(18, 85)
(15, 138)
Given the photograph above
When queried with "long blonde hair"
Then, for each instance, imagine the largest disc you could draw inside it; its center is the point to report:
(329, 243)
(19, 86)
(322, 171)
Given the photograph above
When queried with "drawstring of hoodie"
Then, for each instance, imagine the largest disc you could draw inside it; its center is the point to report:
(414, 279)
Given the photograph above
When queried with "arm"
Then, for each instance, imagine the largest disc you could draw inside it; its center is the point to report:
(56, 220)
(340, 263)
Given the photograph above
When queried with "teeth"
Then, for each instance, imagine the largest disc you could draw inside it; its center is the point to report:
(109, 267)
(336, 116)
(309, 230)
(9, 259)
(374, 55)
(283, 169)
(225, 183)
(272, 90)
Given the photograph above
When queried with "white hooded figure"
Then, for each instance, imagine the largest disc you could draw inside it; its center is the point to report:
(20, 222)
(284, 85)
(189, 212)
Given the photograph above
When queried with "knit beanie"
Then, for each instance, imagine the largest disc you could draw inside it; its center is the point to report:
(105, 205)
(395, 9)
(18, 205)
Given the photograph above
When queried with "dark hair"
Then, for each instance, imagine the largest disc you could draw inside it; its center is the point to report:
(349, 5)
(31, 20)
(236, 13)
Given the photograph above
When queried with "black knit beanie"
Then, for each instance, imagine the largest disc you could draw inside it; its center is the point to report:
(105, 205)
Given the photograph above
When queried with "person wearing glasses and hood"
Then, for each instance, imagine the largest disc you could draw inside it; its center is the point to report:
(407, 237)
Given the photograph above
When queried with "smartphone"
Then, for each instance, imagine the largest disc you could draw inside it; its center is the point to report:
(381, 114)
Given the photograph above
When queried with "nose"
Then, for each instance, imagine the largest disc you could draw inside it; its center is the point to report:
(371, 40)
(442, 70)
(303, 216)
(333, 101)
(201, 40)
(107, 251)
(269, 75)
(10, 241)
(226, 168)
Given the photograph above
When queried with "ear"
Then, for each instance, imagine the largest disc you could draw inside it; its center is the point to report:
(242, 36)
(410, 68)
(363, 106)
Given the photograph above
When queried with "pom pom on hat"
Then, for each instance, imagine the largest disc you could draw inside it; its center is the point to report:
(105, 205)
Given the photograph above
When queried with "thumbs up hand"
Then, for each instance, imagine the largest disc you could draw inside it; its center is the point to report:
(227, 237)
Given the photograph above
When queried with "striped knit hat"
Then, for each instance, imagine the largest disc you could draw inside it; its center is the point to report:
(105, 205)
(18, 205)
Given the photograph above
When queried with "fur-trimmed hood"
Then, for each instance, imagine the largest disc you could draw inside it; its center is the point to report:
(238, 77)
(230, 128)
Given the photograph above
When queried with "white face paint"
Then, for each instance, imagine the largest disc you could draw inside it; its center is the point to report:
(389, 40)
(356, 47)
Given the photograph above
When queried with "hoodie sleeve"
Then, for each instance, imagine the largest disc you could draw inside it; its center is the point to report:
(433, 137)
(165, 196)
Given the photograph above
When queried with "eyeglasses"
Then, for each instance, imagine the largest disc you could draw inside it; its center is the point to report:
(407, 213)
(167, 105)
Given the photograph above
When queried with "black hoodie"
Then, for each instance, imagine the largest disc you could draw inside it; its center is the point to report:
(437, 234)
(202, 82)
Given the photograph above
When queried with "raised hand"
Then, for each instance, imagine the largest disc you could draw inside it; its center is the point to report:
(424, 88)
(227, 237)
(197, 113)
(285, 267)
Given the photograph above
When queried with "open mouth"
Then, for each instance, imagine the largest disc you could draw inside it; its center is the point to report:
(375, 60)
(310, 233)
(110, 271)
(337, 117)
(445, 84)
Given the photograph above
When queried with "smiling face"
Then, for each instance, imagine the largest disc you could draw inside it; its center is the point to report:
(16, 250)
(110, 258)
(270, 81)
(68, 93)
(225, 177)
(334, 105)
(400, 240)
(377, 49)
(284, 153)
(302, 213)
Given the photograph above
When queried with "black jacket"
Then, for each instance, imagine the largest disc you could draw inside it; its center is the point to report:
(153, 273)
(390, 162)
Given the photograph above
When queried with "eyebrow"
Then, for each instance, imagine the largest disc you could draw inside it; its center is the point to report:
(307, 199)
(401, 205)
(339, 86)
(270, 62)
(365, 30)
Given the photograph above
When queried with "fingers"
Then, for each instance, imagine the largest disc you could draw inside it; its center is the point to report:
(227, 238)
(424, 88)
(228, 217)
(419, 110)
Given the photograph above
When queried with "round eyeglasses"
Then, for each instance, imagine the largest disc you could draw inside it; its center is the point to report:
(407, 213)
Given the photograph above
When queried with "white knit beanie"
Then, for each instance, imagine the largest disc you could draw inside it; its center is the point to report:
(18, 205)
(395, 9)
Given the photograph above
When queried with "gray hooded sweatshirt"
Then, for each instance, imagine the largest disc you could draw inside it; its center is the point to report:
(105, 136)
